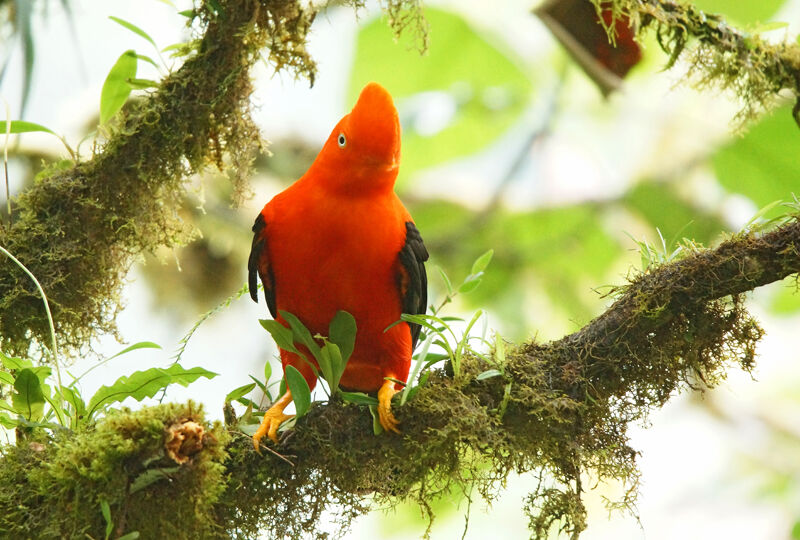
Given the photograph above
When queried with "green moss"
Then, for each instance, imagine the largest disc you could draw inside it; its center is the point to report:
(78, 229)
(718, 55)
(54, 489)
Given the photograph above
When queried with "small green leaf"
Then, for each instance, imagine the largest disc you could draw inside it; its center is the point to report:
(72, 397)
(301, 333)
(147, 59)
(260, 384)
(433, 358)
(130, 536)
(470, 284)
(142, 84)
(7, 422)
(14, 363)
(337, 364)
(28, 399)
(377, 428)
(499, 350)
(488, 374)
(446, 280)
(301, 394)
(239, 392)
(267, 372)
(133, 28)
(359, 398)
(769, 27)
(283, 336)
(116, 89)
(142, 384)
(188, 13)
(21, 126)
(151, 476)
(106, 510)
(342, 332)
(482, 262)
(136, 347)
(6, 378)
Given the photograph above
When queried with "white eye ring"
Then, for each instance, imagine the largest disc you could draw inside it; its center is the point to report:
(341, 140)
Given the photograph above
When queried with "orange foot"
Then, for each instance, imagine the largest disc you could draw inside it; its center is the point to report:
(273, 419)
(385, 416)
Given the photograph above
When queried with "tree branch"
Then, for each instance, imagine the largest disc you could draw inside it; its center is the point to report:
(80, 228)
(755, 70)
(559, 409)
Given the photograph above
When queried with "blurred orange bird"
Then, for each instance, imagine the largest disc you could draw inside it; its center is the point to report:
(340, 239)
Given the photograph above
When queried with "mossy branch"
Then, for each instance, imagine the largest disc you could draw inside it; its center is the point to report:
(79, 228)
(718, 55)
(560, 410)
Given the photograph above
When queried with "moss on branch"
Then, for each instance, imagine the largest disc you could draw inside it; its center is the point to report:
(718, 55)
(560, 410)
(78, 229)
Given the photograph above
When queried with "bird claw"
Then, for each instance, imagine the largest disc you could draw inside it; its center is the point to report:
(273, 419)
(269, 426)
(385, 416)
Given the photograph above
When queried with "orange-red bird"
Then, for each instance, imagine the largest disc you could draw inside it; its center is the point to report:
(340, 239)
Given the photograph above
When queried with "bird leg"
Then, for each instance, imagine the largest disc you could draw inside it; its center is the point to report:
(385, 416)
(273, 418)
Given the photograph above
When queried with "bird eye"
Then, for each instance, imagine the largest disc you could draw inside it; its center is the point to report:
(341, 140)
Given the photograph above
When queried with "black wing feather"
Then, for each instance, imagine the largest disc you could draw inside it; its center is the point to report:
(258, 266)
(412, 258)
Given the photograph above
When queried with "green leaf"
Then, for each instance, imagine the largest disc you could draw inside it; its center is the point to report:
(359, 398)
(470, 284)
(301, 394)
(13, 363)
(6, 378)
(8, 422)
(301, 333)
(326, 367)
(133, 28)
(28, 399)
(129, 536)
(342, 332)
(145, 58)
(136, 347)
(142, 384)
(448, 285)
(482, 262)
(239, 392)
(72, 397)
(21, 126)
(267, 372)
(377, 428)
(151, 476)
(488, 374)
(283, 336)
(768, 27)
(260, 385)
(106, 510)
(188, 13)
(142, 84)
(116, 89)
(499, 350)
(331, 350)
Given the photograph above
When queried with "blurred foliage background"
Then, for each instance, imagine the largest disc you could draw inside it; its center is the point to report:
(506, 145)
